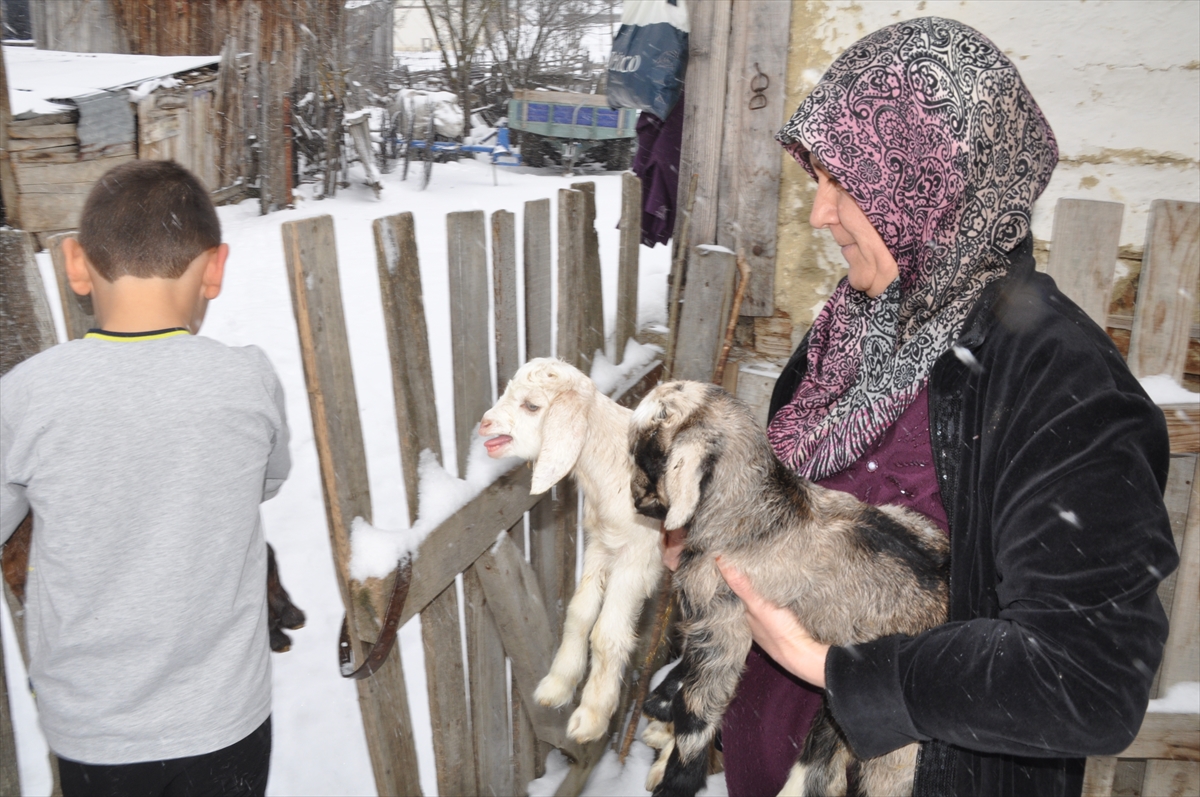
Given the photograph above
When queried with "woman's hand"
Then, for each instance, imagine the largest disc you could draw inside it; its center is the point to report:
(777, 631)
(672, 546)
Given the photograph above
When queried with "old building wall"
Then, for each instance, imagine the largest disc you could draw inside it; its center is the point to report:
(1118, 81)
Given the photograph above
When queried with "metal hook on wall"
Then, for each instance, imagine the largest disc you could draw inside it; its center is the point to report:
(759, 84)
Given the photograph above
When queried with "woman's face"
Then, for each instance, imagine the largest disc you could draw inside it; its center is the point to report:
(872, 267)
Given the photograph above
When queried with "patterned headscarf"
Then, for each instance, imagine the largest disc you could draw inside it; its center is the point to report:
(929, 128)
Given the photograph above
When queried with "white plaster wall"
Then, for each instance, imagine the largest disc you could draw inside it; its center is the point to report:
(1119, 81)
(410, 27)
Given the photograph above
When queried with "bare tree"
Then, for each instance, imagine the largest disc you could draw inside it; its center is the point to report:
(459, 27)
(534, 42)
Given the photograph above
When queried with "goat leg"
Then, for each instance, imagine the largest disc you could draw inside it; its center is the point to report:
(715, 649)
(614, 636)
(821, 768)
(570, 662)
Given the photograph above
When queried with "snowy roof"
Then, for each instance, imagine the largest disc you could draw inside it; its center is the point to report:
(37, 77)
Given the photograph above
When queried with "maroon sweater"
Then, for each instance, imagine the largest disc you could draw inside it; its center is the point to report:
(772, 711)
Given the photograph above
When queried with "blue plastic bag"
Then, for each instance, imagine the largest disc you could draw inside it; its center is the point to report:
(649, 56)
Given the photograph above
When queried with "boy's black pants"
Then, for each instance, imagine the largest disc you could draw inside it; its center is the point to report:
(239, 769)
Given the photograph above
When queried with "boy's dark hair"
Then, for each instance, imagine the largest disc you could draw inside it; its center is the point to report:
(147, 219)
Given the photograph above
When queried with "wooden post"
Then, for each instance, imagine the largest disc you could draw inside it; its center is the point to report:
(77, 310)
(1083, 253)
(416, 419)
(1167, 290)
(592, 304)
(627, 270)
(316, 300)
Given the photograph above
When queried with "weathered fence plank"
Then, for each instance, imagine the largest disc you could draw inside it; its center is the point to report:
(416, 419)
(1167, 291)
(311, 256)
(539, 341)
(77, 310)
(489, 691)
(504, 296)
(1083, 252)
(453, 746)
(408, 345)
(572, 213)
(627, 268)
(466, 240)
(592, 305)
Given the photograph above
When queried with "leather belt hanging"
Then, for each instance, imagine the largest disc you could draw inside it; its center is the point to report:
(383, 644)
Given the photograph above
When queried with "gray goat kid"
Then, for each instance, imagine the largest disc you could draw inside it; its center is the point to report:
(552, 414)
(850, 573)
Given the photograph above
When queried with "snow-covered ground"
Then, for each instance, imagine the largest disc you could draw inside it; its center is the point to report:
(319, 745)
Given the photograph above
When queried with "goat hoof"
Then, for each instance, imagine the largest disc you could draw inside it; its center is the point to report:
(554, 692)
(292, 617)
(280, 642)
(586, 725)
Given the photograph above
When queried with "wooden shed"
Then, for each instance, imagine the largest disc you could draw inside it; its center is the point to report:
(76, 115)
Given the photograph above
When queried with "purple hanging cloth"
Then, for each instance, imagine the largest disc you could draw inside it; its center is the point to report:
(657, 164)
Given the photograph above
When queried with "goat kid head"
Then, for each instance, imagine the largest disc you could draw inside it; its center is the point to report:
(542, 418)
(673, 456)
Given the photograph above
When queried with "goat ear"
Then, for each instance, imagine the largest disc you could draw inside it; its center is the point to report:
(563, 431)
(681, 482)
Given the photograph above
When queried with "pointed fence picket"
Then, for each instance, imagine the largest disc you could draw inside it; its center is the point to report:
(496, 740)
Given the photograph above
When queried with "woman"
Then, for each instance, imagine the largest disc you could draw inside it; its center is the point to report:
(946, 375)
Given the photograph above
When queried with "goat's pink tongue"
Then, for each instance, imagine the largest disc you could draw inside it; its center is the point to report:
(496, 443)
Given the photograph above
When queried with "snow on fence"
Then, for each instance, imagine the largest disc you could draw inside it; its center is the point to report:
(495, 741)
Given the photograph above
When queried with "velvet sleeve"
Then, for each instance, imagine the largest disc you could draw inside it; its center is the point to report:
(1060, 496)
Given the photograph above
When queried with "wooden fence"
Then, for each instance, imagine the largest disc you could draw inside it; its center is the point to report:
(514, 600)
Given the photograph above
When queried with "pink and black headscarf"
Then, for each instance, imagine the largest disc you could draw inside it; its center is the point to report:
(931, 131)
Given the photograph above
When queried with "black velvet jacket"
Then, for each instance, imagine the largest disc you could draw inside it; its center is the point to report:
(1052, 462)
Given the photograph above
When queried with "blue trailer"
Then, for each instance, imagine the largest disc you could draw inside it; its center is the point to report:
(565, 126)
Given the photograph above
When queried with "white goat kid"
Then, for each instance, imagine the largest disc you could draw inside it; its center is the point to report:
(553, 415)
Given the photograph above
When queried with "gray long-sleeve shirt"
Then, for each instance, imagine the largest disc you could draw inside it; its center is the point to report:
(144, 462)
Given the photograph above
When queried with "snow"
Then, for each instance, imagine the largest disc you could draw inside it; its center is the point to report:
(1163, 389)
(319, 746)
(36, 77)
(1181, 698)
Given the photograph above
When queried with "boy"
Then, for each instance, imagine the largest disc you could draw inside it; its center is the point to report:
(144, 452)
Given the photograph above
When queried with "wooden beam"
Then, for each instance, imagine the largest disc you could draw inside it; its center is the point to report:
(1169, 736)
(748, 203)
(702, 321)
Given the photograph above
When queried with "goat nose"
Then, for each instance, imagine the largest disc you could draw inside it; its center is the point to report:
(485, 426)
